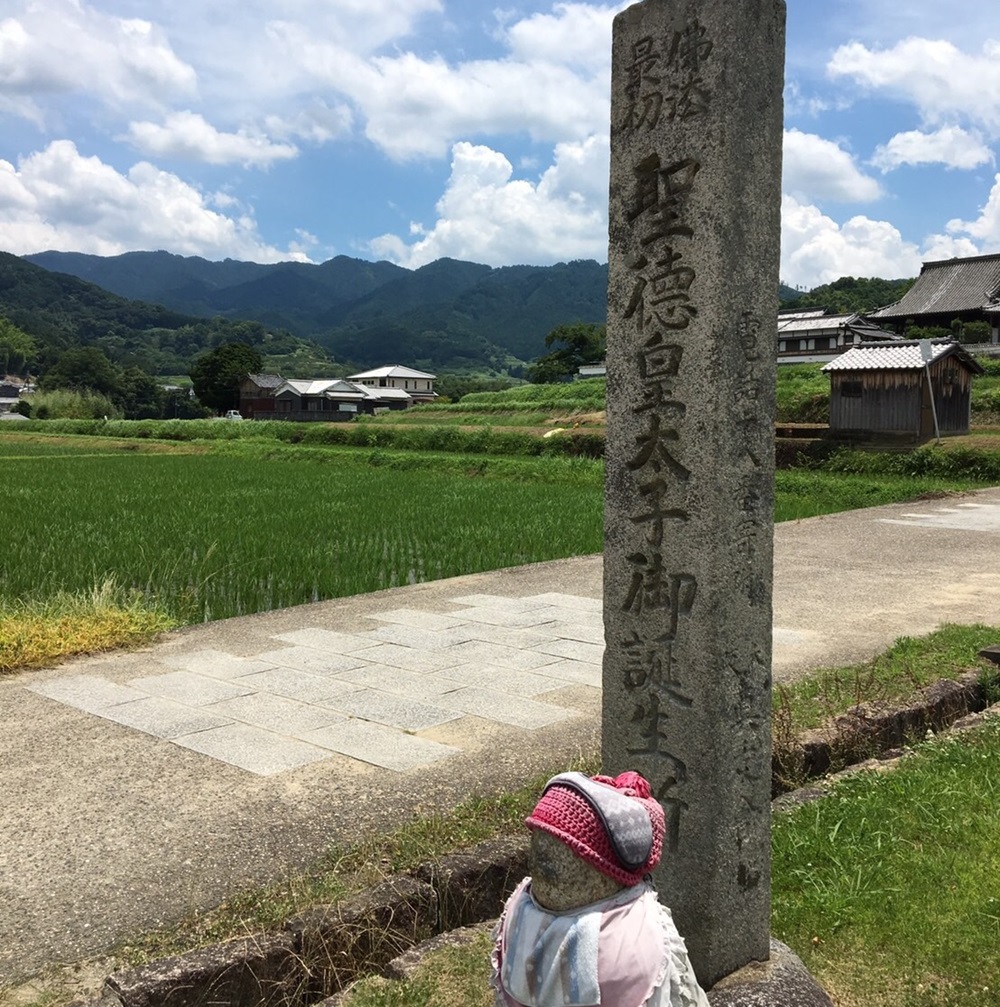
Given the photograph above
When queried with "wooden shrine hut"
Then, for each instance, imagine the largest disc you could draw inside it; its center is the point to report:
(882, 389)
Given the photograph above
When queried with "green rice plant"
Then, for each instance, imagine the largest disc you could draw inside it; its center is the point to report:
(802, 493)
(211, 536)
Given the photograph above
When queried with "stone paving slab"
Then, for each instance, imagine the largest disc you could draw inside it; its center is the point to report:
(391, 710)
(572, 650)
(190, 689)
(380, 745)
(503, 616)
(412, 658)
(500, 656)
(574, 672)
(163, 718)
(89, 693)
(406, 683)
(276, 713)
(312, 659)
(215, 663)
(506, 680)
(300, 685)
(286, 707)
(326, 640)
(507, 709)
(253, 749)
(417, 619)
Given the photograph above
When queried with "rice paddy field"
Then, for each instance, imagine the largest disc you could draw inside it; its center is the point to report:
(213, 534)
(208, 529)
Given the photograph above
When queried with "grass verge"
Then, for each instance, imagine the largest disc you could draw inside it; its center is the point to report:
(910, 664)
(38, 633)
(889, 888)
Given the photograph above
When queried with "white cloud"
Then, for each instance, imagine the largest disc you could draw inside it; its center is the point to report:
(57, 198)
(187, 136)
(951, 146)
(66, 47)
(986, 228)
(944, 83)
(553, 85)
(817, 169)
(486, 215)
(815, 249)
(317, 123)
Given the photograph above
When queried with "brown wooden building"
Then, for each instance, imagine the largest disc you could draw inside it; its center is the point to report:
(257, 395)
(885, 389)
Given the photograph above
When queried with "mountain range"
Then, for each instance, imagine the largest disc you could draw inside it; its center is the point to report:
(446, 315)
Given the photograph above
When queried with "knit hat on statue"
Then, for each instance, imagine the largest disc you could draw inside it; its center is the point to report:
(615, 825)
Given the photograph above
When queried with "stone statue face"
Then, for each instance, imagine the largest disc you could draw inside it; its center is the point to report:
(560, 880)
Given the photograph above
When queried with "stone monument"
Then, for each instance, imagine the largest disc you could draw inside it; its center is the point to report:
(696, 135)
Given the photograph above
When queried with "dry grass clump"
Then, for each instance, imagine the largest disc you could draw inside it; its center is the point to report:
(38, 633)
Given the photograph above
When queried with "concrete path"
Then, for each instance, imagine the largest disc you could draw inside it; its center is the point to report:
(140, 787)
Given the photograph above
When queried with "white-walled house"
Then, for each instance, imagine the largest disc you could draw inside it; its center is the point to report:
(418, 384)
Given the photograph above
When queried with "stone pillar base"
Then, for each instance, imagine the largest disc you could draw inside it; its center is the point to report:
(781, 981)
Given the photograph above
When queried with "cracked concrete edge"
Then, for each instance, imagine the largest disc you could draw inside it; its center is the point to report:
(323, 950)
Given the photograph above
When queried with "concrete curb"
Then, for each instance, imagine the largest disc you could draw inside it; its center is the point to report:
(322, 951)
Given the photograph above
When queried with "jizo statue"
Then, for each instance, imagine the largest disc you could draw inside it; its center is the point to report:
(586, 927)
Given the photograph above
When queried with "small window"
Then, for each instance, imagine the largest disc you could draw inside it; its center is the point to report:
(850, 389)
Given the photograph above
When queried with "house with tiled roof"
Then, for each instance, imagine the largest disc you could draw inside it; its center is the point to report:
(417, 384)
(257, 395)
(333, 400)
(912, 389)
(811, 335)
(967, 290)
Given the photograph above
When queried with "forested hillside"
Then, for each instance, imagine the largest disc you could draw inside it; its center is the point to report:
(61, 312)
(850, 293)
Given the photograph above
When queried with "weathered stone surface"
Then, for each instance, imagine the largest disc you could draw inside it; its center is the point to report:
(781, 981)
(256, 970)
(872, 729)
(339, 943)
(991, 653)
(473, 885)
(406, 964)
(694, 207)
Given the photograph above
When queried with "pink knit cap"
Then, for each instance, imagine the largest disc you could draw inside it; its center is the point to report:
(618, 831)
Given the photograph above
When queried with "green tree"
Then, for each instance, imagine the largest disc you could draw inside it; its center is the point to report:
(141, 397)
(216, 375)
(83, 368)
(580, 343)
(17, 349)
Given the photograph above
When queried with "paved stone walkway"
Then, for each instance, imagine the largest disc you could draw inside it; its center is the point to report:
(317, 692)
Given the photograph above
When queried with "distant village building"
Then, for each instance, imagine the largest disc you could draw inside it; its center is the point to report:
(417, 384)
(885, 389)
(334, 400)
(810, 335)
(949, 290)
(257, 395)
(9, 396)
(270, 396)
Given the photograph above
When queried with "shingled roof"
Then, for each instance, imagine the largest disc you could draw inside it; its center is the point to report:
(949, 287)
(904, 355)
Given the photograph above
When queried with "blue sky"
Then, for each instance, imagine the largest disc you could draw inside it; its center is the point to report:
(414, 129)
